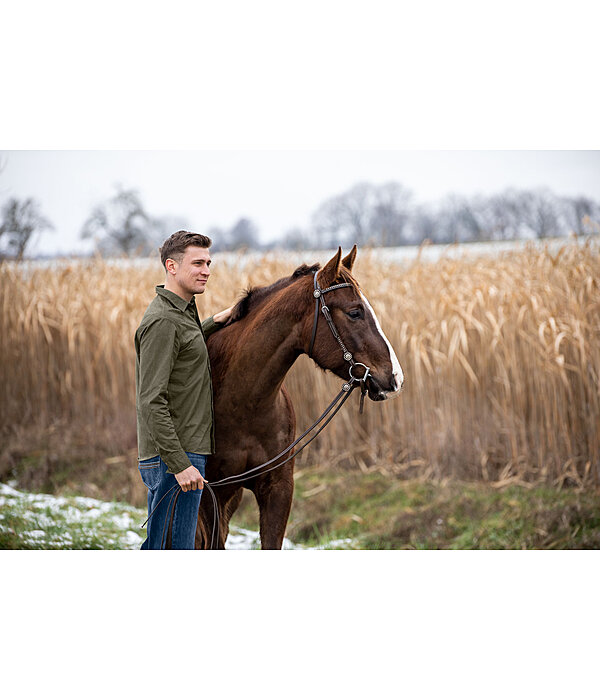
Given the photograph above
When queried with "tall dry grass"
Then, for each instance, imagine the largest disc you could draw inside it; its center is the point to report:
(501, 358)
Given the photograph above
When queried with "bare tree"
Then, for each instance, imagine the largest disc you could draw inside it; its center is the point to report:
(505, 222)
(122, 225)
(162, 227)
(539, 212)
(20, 220)
(344, 219)
(385, 215)
(243, 234)
(424, 225)
(296, 239)
(581, 214)
(218, 237)
(390, 212)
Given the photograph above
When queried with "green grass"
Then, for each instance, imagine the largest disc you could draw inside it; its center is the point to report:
(376, 511)
(40, 521)
(338, 510)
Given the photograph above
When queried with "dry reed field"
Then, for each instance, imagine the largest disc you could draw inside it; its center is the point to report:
(501, 357)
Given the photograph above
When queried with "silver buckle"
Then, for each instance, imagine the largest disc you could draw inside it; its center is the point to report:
(359, 379)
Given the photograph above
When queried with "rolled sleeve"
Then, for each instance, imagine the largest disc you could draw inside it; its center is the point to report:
(209, 326)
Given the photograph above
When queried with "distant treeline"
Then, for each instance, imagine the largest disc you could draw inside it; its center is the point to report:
(387, 215)
(366, 214)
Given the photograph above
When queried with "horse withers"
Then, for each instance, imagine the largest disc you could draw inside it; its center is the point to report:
(270, 327)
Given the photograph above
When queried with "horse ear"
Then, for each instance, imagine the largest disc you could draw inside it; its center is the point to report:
(330, 273)
(348, 261)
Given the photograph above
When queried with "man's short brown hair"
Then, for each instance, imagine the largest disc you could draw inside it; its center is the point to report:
(175, 246)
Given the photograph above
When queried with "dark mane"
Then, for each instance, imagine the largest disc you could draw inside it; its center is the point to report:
(254, 296)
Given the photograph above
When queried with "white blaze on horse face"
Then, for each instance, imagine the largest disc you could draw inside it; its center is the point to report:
(396, 369)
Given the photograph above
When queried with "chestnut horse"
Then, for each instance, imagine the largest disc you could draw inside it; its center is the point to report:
(269, 329)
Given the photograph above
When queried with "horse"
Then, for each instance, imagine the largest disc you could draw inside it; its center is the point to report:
(269, 328)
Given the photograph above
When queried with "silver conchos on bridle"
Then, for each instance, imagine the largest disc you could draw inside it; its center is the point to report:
(319, 301)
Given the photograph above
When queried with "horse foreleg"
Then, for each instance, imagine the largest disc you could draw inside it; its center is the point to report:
(227, 510)
(274, 498)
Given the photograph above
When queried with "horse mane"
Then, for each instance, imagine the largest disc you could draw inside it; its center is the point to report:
(264, 299)
(255, 296)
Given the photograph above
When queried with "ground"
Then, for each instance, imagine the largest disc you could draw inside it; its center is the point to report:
(337, 510)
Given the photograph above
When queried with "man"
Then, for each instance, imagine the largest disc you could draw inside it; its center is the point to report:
(174, 393)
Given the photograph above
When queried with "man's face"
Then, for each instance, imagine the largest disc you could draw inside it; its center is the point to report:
(192, 273)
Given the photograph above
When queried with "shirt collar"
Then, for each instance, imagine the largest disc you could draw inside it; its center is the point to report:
(175, 299)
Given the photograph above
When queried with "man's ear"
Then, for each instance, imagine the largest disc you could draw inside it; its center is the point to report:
(171, 265)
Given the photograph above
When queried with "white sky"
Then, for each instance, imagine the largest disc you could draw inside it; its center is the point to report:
(277, 189)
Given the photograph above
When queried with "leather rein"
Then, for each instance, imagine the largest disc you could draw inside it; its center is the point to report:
(332, 409)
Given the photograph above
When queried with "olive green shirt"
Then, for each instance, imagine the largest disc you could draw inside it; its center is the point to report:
(173, 381)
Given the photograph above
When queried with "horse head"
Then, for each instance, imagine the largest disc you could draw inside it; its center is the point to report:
(359, 331)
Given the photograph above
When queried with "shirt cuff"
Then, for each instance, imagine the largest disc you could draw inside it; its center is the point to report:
(209, 326)
(176, 462)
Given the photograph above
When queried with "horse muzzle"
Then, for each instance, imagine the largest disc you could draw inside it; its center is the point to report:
(379, 390)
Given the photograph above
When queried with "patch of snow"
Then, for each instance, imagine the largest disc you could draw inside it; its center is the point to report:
(123, 521)
(239, 538)
(242, 539)
(39, 518)
(132, 539)
(35, 534)
(7, 490)
(334, 543)
(64, 540)
(66, 514)
(93, 513)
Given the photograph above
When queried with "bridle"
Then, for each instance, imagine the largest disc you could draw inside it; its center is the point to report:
(328, 413)
(318, 294)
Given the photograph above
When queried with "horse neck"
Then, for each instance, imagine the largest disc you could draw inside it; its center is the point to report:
(262, 352)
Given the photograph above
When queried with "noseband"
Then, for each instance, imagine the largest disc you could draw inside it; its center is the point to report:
(319, 301)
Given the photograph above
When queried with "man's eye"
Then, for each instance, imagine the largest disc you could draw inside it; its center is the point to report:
(355, 313)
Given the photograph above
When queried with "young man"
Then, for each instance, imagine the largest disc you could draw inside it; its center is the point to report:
(174, 393)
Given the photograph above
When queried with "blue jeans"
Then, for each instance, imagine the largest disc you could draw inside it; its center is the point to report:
(181, 506)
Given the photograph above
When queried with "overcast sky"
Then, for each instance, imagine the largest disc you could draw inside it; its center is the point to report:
(278, 190)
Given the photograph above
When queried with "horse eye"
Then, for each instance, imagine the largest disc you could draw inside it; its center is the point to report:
(355, 314)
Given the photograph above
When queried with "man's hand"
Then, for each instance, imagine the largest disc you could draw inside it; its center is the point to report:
(190, 479)
(223, 316)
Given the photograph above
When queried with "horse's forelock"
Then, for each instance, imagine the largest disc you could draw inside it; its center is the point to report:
(346, 276)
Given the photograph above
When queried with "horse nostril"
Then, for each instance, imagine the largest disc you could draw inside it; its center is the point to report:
(395, 386)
